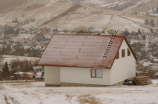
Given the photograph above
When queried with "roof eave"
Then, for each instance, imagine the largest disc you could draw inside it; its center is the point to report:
(74, 66)
(117, 51)
(131, 49)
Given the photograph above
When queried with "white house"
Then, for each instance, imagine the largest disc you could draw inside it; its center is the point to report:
(80, 59)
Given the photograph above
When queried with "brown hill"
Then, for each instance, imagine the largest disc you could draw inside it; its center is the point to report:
(9, 5)
(63, 15)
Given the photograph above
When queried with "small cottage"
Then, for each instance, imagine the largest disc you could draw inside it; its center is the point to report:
(87, 60)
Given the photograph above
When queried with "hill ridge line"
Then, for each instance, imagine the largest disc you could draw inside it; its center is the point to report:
(73, 8)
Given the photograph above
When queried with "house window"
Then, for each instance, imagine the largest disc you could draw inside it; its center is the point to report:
(129, 53)
(96, 73)
(117, 56)
(123, 53)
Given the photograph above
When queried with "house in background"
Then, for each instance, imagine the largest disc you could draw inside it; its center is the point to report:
(87, 60)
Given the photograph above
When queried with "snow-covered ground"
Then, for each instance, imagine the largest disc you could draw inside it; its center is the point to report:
(37, 93)
(9, 58)
(119, 23)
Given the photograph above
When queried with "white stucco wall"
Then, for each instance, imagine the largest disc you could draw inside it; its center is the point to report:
(124, 67)
(52, 75)
(83, 76)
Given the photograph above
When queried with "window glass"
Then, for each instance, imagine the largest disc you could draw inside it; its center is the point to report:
(123, 53)
(99, 73)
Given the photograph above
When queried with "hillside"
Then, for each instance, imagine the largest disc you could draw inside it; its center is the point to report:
(9, 5)
(144, 7)
(65, 15)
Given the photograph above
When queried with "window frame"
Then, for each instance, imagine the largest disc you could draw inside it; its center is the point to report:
(117, 56)
(128, 52)
(123, 52)
(96, 73)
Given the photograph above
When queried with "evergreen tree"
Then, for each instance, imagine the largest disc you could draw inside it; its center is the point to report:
(157, 23)
(157, 9)
(139, 32)
(5, 69)
(151, 30)
(144, 37)
(126, 32)
(8, 30)
(146, 21)
(152, 22)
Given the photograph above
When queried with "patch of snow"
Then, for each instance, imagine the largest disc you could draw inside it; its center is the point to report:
(156, 74)
(121, 23)
(19, 73)
(147, 63)
(155, 81)
(155, 60)
(36, 93)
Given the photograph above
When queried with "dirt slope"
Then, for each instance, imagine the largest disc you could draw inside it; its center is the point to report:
(8, 5)
(144, 7)
(71, 9)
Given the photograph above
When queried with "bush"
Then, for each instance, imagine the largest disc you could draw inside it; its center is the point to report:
(81, 29)
(5, 71)
(22, 66)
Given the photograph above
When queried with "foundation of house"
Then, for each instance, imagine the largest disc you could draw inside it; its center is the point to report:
(80, 84)
(52, 85)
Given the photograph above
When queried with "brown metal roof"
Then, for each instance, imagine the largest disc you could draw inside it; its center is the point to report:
(80, 51)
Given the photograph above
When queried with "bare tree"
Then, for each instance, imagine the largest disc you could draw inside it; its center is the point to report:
(0, 75)
(157, 9)
(146, 21)
(1, 61)
(15, 66)
(81, 29)
(22, 66)
(149, 71)
(5, 71)
(152, 22)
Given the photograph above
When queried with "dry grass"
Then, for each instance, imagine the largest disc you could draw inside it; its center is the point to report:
(1, 86)
(20, 83)
(8, 5)
(6, 100)
(33, 7)
(69, 97)
(11, 99)
(87, 99)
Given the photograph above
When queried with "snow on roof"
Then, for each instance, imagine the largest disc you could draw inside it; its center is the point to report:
(80, 51)
(19, 73)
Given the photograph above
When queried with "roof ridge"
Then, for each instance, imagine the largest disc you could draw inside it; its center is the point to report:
(78, 34)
